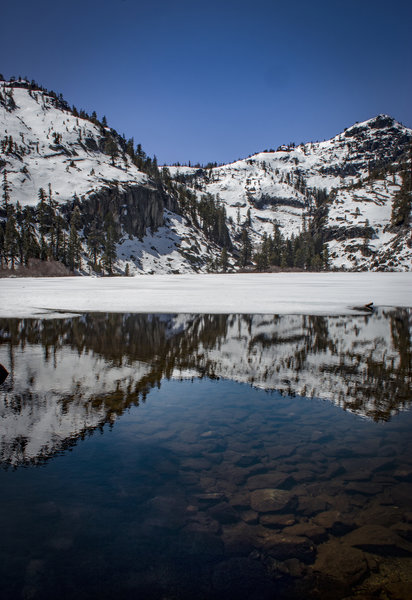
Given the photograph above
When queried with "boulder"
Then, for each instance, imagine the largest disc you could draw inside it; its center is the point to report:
(277, 521)
(283, 547)
(314, 532)
(224, 513)
(341, 562)
(334, 521)
(270, 500)
(378, 540)
(269, 480)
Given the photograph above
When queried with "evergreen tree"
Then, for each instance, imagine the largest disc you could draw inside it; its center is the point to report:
(2, 257)
(42, 220)
(109, 245)
(74, 246)
(59, 227)
(11, 238)
(248, 218)
(130, 148)
(110, 148)
(262, 257)
(325, 258)
(51, 218)
(224, 260)
(94, 242)
(6, 192)
(402, 202)
(245, 249)
(29, 243)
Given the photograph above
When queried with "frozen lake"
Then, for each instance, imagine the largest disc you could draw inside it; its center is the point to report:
(280, 293)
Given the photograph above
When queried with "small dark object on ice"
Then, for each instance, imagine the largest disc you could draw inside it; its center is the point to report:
(366, 308)
(3, 373)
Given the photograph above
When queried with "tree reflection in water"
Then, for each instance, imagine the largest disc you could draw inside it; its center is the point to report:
(71, 376)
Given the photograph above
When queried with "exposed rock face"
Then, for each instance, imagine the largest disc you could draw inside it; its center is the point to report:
(135, 208)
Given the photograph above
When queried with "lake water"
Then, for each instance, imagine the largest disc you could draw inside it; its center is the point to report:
(206, 456)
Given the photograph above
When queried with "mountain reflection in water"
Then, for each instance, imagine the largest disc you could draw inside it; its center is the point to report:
(71, 376)
(214, 490)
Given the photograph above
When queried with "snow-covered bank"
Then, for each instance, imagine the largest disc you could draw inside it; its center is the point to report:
(280, 293)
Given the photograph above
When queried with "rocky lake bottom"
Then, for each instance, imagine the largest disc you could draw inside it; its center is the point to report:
(206, 456)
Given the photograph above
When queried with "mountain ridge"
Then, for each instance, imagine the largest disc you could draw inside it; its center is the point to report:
(183, 219)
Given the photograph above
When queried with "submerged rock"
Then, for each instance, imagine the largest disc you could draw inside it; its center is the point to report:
(314, 532)
(224, 513)
(283, 547)
(334, 521)
(270, 500)
(341, 562)
(379, 540)
(268, 480)
(277, 521)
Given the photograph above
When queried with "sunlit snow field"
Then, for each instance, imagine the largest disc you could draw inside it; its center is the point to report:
(280, 293)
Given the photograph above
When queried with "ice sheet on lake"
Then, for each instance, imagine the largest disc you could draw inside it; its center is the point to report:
(263, 293)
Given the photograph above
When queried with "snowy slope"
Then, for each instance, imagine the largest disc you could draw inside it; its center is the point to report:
(55, 147)
(175, 248)
(278, 187)
(45, 146)
(353, 209)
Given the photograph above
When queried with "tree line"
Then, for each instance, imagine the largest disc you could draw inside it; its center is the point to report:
(49, 231)
(307, 251)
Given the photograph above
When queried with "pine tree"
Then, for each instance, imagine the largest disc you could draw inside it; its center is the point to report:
(11, 238)
(402, 202)
(59, 226)
(245, 249)
(29, 244)
(51, 217)
(110, 148)
(6, 192)
(248, 218)
(2, 257)
(224, 260)
(74, 244)
(109, 254)
(325, 258)
(130, 148)
(42, 220)
(94, 242)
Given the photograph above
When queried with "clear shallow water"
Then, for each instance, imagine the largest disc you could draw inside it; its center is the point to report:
(154, 469)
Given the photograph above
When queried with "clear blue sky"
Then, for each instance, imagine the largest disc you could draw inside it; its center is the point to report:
(215, 81)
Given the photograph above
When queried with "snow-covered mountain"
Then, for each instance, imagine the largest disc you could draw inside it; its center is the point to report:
(359, 168)
(47, 145)
(50, 145)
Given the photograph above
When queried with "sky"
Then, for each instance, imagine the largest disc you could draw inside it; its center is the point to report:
(217, 81)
